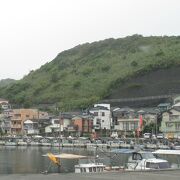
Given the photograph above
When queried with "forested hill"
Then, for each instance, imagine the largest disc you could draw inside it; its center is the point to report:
(5, 82)
(90, 72)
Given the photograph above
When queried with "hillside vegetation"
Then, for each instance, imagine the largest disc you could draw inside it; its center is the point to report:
(90, 72)
(5, 82)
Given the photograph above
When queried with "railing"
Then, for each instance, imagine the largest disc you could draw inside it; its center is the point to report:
(16, 126)
(16, 119)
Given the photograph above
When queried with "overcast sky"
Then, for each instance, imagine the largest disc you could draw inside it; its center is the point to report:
(33, 32)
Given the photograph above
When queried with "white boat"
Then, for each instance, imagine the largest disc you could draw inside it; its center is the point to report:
(2, 142)
(21, 142)
(10, 143)
(146, 161)
(142, 160)
(34, 143)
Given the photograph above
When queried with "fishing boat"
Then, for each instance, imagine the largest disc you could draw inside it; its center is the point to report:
(90, 168)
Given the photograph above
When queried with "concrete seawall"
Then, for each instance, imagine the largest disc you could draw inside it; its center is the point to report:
(166, 175)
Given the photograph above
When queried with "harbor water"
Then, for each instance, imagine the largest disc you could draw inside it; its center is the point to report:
(29, 160)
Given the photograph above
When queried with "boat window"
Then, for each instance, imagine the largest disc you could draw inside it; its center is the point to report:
(136, 156)
(152, 165)
(164, 165)
(147, 155)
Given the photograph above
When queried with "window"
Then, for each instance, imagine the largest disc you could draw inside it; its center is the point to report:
(56, 121)
(95, 113)
(132, 126)
(177, 126)
(137, 156)
(125, 126)
(27, 116)
(169, 124)
(135, 125)
(98, 121)
(103, 113)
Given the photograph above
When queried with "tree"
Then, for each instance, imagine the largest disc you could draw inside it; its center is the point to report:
(149, 128)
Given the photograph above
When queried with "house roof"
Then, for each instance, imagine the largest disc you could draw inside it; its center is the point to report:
(177, 104)
(141, 111)
(164, 104)
(125, 109)
(28, 122)
(1, 99)
(99, 108)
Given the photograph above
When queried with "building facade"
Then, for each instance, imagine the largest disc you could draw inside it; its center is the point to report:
(170, 125)
(21, 115)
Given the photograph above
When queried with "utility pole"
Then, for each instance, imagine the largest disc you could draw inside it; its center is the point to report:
(59, 130)
(156, 123)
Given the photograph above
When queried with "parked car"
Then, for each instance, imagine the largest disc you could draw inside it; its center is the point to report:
(153, 136)
(160, 136)
(114, 135)
(147, 135)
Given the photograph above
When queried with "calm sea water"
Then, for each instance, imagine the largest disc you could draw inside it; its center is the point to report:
(30, 160)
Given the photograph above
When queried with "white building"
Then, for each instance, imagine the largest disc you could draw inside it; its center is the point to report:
(30, 127)
(102, 116)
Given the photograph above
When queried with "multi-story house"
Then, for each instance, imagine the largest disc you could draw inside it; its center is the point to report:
(83, 125)
(170, 125)
(102, 117)
(126, 121)
(18, 118)
(56, 126)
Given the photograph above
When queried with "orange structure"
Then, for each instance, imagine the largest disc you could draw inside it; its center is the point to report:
(19, 116)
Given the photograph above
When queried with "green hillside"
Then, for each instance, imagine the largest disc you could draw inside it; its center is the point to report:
(5, 82)
(88, 73)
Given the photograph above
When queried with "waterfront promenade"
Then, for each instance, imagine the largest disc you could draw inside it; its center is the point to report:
(165, 175)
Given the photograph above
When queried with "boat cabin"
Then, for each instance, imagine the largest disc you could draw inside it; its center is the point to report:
(89, 168)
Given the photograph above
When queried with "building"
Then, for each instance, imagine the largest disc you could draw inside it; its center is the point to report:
(126, 121)
(21, 115)
(164, 107)
(102, 117)
(55, 127)
(170, 125)
(4, 104)
(30, 127)
(83, 125)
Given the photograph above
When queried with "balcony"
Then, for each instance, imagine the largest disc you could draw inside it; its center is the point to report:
(17, 126)
(16, 119)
